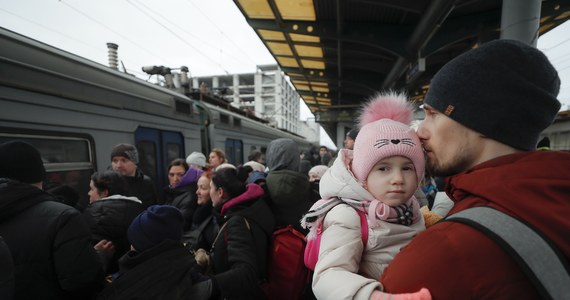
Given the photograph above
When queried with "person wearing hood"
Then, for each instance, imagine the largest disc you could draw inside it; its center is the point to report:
(305, 164)
(290, 193)
(110, 212)
(238, 257)
(181, 192)
(124, 160)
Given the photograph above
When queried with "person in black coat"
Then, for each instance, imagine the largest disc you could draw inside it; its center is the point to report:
(158, 266)
(49, 241)
(124, 160)
(204, 224)
(6, 272)
(110, 213)
(181, 192)
(238, 257)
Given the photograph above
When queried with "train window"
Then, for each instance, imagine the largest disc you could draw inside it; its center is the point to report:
(237, 123)
(173, 152)
(147, 158)
(157, 148)
(77, 180)
(560, 140)
(68, 161)
(57, 150)
(234, 151)
(183, 107)
(224, 119)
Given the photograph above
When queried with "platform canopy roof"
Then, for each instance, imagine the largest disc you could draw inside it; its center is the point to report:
(338, 53)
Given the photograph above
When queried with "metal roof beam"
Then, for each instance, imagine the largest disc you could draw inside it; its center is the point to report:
(430, 22)
(461, 28)
(412, 6)
(385, 37)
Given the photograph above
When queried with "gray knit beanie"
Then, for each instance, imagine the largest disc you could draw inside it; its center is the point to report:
(504, 89)
(127, 151)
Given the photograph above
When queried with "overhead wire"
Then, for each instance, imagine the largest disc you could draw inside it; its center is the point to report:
(221, 31)
(50, 29)
(177, 36)
(113, 31)
(195, 37)
(564, 41)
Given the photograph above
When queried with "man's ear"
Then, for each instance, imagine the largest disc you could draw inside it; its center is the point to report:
(221, 192)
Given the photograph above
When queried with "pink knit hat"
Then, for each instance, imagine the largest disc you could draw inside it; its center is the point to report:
(385, 132)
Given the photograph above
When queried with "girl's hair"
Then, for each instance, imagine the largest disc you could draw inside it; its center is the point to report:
(110, 181)
(220, 153)
(179, 162)
(231, 180)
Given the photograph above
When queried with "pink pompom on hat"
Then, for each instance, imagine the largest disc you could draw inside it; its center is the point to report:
(385, 131)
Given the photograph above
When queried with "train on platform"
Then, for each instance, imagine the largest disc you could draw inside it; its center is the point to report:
(75, 110)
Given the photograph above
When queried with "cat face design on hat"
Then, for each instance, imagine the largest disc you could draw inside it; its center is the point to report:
(384, 133)
(385, 142)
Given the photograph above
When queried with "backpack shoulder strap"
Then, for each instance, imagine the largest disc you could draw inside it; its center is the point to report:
(193, 236)
(363, 227)
(541, 261)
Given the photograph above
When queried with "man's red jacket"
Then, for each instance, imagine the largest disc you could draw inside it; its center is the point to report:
(456, 261)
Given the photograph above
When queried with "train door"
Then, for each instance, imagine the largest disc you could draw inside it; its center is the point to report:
(157, 148)
(204, 124)
(234, 151)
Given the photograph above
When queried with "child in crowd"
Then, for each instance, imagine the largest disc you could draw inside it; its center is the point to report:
(377, 178)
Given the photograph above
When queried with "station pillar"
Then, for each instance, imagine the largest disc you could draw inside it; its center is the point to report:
(520, 20)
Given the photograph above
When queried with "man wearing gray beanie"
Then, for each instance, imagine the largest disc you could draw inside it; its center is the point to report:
(484, 112)
(124, 160)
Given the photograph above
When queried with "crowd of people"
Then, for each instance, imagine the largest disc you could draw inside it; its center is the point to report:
(377, 207)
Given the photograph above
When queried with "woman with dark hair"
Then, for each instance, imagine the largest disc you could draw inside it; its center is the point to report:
(238, 256)
(110, 213)
(175, 171)
(181, 192)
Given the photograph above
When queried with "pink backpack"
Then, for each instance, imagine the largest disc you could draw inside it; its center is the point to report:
(312, 248)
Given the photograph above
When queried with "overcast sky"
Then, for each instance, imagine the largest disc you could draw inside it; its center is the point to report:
(210, 37)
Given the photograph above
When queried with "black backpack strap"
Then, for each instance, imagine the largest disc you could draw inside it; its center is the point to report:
(541, 261)
(192, 238)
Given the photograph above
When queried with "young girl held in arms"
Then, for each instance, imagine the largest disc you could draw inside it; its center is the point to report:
(378, 178)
